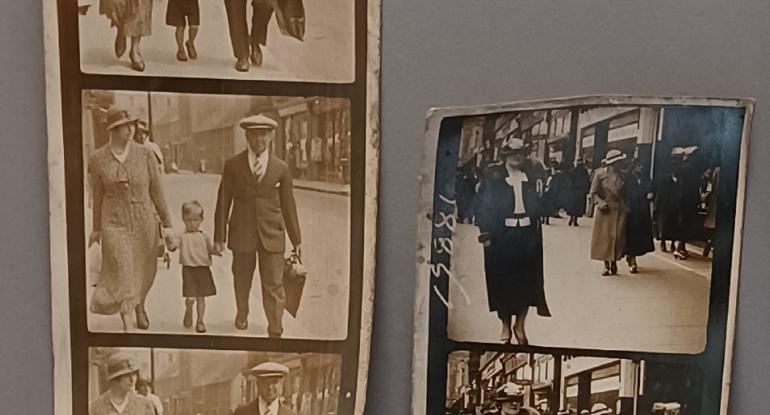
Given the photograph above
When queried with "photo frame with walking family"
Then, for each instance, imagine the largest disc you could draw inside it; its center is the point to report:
(580, 256)
(213, 205)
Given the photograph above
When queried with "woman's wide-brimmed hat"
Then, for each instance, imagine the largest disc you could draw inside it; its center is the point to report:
(117, 116)
(513, 146)
(119, 365)
(614, 156)
(510, 392)
(600, 409)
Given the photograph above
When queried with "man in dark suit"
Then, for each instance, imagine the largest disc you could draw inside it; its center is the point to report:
(255, 210)
(270, 378)
(247, 45)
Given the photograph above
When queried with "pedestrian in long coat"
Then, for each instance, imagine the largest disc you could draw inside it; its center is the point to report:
(127, 204)
(555, 192)
(579, 183)
(676, 203)
(508, 218)
(609, 237)
(639, 194)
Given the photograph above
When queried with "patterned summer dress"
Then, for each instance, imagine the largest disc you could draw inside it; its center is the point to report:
(126, 197)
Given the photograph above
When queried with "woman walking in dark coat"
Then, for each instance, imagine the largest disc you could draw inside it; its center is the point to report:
(508, 219)
(579, 182)
(639, 221)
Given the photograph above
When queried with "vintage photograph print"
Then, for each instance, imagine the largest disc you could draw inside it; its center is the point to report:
(600, 226)
(591, 227)
(281, 40)
(487, 383)
(221, 214)
(153, 381)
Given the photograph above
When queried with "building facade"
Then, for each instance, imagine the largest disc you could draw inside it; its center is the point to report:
(199, 132)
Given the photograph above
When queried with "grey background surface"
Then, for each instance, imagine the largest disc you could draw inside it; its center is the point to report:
(435, 53)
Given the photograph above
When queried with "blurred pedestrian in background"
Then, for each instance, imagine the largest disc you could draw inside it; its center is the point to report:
(578, 183)
(144, 388)
(676, 203)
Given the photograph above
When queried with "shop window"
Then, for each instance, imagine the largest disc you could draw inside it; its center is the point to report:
(625, 119)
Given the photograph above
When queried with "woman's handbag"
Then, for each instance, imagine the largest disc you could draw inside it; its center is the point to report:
(294, 276)
(590, 206)
(290, 15)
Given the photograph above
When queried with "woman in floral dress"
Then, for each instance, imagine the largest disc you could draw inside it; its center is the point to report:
(131, 18)
(126, 188)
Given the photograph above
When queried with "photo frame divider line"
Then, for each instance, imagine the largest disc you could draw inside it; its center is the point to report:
(442, 218)
(217, 86)
(357, 347)
(254, 344)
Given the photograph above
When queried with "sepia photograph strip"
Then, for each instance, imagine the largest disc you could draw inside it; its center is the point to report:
(596, 226)
(213, 182)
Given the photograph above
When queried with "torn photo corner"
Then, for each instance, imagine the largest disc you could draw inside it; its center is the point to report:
(584, 249)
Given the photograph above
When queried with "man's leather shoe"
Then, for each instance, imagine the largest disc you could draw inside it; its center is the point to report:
(241, 323)
(256, 56)
(242, 65)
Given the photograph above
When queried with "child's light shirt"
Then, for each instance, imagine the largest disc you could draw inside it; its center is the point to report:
(195, 249)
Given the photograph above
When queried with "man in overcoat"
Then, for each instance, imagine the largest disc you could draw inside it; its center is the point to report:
(254, 213)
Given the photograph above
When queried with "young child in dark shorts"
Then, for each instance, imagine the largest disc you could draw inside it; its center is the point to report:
(181, 14)
(195, 250)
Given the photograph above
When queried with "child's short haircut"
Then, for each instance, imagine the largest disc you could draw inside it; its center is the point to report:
(192, 207)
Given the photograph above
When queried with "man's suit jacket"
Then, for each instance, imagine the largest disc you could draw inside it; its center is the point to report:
(252, 408)
(251, 212)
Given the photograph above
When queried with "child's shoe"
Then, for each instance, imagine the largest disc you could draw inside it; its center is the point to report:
(191, 51)
(187, 322)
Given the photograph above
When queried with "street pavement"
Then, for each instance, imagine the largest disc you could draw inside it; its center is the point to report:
(325, 55)
(324, 222)
(663, 308)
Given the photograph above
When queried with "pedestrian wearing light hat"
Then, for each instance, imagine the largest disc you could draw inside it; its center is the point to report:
(270, 377)
(609, 199)
(121, 398)
(510, 397)
(128, 204)
(255, 211)
(508, 216)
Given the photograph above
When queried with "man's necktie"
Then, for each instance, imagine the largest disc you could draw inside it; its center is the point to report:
(258, 170)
